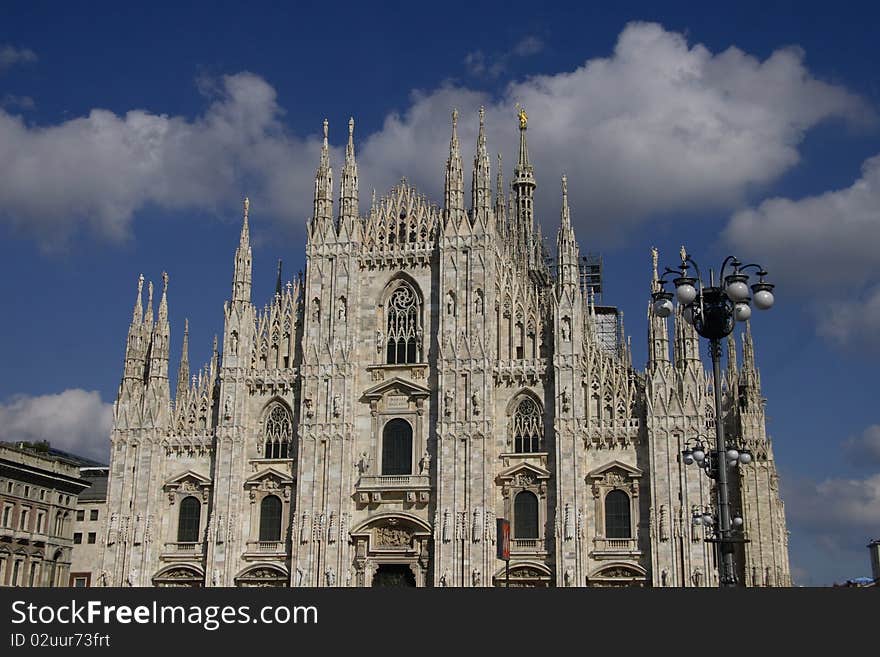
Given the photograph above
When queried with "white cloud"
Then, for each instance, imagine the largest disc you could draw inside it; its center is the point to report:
(102, 168)
(75, 421)
(10, 56)
(824, 247)
(657, 127)
(527, 46)
(479, 64)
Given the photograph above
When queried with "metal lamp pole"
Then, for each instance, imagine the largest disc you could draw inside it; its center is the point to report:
(713, 310)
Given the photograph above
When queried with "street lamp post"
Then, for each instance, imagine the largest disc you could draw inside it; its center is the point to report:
(713, 311)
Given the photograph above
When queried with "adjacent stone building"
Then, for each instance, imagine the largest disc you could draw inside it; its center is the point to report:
(432, 370)
(39, 488)
(88, 524)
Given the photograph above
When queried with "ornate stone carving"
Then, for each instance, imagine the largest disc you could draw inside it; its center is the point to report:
(393, 536)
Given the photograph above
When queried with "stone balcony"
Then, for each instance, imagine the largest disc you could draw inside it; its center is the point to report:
(183, 551)
(615, 548)
(266, 550)
(375, 489)
(528, 547)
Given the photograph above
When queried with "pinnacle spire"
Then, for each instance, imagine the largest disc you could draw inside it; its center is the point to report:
(323, 202)
(348, 192)
(242, 272)
(183, 369)
(278, 280)
(163, 302)
(481, 191)
(138, 313)
(454, 189)
(148, 315)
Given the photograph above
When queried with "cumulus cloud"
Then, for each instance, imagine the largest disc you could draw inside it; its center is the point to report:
(102, 168)
(838, 232)
(659, 126)
(75, 421)
(10, 56)
(834, 519)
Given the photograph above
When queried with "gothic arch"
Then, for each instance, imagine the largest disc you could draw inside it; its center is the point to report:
(276, 435)
(401, 321)
(618, 573)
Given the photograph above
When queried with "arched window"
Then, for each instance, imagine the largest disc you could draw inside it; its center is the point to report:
(617, 522)
(188, 520)
(397, 448)
(403, 325)
(270, 518)
(278, 432)
(527, 427)
(525, 515)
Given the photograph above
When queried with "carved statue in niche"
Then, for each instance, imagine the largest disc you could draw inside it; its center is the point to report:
(233, 342)
(475, 577)
(337, 405)
(477, 529)
(566, 329)
(310, 411)
(380, 340)
(425, 463)
(304, 528)
(445, 578)
(341, 312)
(330, 576)
(569, 523)
(227, 407)
(132, 578)
(299, 576)
(363, 463)
(664, 523)
(698, 577)
(569, 576)
(475, 403)
(331, 528)
(450, 303)
(478, 303)
(448, 402)
(446, 526)
(566, 400)
(664, 577)
(316, 310)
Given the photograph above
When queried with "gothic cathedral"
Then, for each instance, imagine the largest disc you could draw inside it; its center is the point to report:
(433, 370)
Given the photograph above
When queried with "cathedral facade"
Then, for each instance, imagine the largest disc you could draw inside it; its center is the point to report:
(431, 371)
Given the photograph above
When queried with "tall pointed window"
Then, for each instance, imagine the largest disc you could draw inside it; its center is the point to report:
(397, 448)
(527, 427)
(270, 519)
(278, 432)
(525, 515)
(188, 521)
(617, 520)
(403, 325)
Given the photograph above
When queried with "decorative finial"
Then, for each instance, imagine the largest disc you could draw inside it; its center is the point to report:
(186, 326)
(164, 282)
(247, 205)
(326, 129)
(150, 293)
(351, 126)
(683, 253)
(454, 117)
(482, 115)
(140, 284)
(564, 184)
(523, 117)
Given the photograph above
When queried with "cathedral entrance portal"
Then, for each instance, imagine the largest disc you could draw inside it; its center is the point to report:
(394, 575)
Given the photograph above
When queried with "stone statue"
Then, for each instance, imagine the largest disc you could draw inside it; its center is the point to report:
(566, 329)
(566, 400)
(132, 578)
(445, 578)
(449, 402)
(227, 408)
(478, 303)
(215, 577)
(380, 340)
(363, 463)
(475, 577)
(523, 118)
(299, 576)
(475, 403)
(330, 576)
(664, 523)
(340, 314)
(337, 405)
(569, 576)
(664, 577)
(698, 577)
(103, 578)
(425, 463)
(450, 303)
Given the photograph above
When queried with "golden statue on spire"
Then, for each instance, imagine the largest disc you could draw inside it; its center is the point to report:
(523, 117)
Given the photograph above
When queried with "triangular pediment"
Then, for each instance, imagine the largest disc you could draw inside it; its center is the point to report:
(268, 473)
(396, 384)
(524, 468)
(632, 471)
(189, 475)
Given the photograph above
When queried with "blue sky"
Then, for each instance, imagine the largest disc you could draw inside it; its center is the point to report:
(129, 135)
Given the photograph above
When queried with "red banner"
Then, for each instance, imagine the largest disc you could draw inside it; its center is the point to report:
(503, 543)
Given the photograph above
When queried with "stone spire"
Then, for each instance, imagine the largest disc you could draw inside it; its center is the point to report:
(500, 214)
(348, 192)
(148, 315)
(751, 378)
(278, 286)
(481, 191)
(566, 245)
(137, 315)
(453, 197)
(322, 217)
(658, 332)
(243, 272)
(158, 394)
(686, 350)
(135, 345)
(183, 371)
(524, 192)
